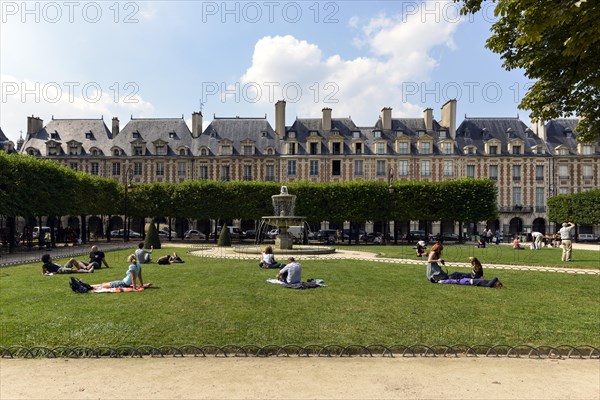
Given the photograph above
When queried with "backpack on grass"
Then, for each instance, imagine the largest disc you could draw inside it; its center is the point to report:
(79, 286)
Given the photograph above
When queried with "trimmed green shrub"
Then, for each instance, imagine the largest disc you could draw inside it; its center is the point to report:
(152, 238)
(224, 237)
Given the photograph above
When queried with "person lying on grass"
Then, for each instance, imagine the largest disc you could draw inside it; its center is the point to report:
(494, 283)
(134, 273)
(71, 267)
(169, 259)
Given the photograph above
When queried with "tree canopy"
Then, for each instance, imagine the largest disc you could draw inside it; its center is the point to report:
(556, 43)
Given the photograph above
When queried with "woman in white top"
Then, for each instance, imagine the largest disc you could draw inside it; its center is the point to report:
(267, 259)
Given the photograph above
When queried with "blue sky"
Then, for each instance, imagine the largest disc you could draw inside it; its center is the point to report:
(162, 59)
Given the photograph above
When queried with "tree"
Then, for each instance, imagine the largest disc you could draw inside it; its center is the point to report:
(224, 237)
(556, 43)
(152, 238)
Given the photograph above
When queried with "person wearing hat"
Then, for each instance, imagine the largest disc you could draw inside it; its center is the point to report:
(421, 249)
(566, 235)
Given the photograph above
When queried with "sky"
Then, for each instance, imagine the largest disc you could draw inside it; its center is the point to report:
(159, 59)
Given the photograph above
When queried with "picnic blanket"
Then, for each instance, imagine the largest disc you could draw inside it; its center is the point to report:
(310, 284)
(121, 289)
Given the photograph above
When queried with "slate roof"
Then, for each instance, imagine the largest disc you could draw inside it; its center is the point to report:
(562, 132)
(237, 130)
(343, 127)
(477, 131)
(3, 137)
(173, 131)
(66, 130)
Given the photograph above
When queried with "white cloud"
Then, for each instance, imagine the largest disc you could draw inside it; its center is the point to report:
(398, 49)
(23, 97)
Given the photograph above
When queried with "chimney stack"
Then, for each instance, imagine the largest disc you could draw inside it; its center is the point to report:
(280, 118)
(115, 127)
(386, 118)
(196, 124)
(326, 119)
(540, 129)
(34, 125)
(428, 117)
(449, 117)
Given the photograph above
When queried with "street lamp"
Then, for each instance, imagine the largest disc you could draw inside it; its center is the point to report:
(391, 190)
(128, 185)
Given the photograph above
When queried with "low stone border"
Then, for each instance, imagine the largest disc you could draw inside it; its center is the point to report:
(312, 350)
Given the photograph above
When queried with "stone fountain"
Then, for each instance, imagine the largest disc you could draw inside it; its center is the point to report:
(283, 206)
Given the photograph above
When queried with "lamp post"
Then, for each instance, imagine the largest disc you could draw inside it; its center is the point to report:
(391, 190)
(128, 185)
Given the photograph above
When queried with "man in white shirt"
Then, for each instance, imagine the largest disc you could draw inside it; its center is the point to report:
(291, 273)
(143, 255)
(537, 240)
(566, 235)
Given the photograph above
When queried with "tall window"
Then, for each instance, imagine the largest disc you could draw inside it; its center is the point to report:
(493, 150)
(181, 168)
(403, 168)
(448, 167)
(314, 148)
(539, 199)
(160, 169)
(494, 172)
(137, 168)
(516, 198)
(425, 168)
(314, 168)
(425, 148)
(470, 171)
(381, 148)
(587, 172)
(337, 148)
(270, 172)
(94, 168)
(447, 148)
(539, 172)
(336, 167)
(291, 167)
(516, 172)
(225, 173)
(563, 171)
(403, 148)
(516, 150)
(381, 170)
(203, 172)
(358, 168)
(248, 172)
(116, 168)
(291, 149)
(357, 148)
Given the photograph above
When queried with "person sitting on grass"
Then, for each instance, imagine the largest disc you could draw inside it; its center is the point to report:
(142, 254)
(494, 283)
(434, 271)
(421, 249)
(516, 245)
(169, 259)
(267, 259)
(71, 267)
(476, 272)
(97, 258)
(291, 272)
(134, 273)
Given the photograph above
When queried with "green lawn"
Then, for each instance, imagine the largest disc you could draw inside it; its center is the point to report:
(215, 301)
(492, 254)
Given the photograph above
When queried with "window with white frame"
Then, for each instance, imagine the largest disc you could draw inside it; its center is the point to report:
(137, 168)
(470, 171)
(403, 147)
(516, 196)
(447, 148)
(587, 172)
(587, 149)
(94, 168)
(181, 168)
(448, 167)
(314, 148)
(160, 169)
(247, 172)
(425, 148)
(403, 168)
(540, 197)
(539, 172)
(425, 168)
(291, 149)
(563, 171)
(270, 172)
(248, 150)
(203, 172)
(563, 190)
(516, 150)
(381, 170)
(358, 167)
(493, 150)
(381, 147)
(314, 168)
(494, 172)
(138, 150)
(161, 150)
(516, 172)
(116, 169)
(225, 173)
(291, 167)
(226, 150)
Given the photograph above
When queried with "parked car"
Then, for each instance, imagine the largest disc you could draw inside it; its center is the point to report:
(121, 233)
(416, 235)
(371, 237)
(164, 233)
(273, 233)
(587, 237)
(250, 234)
(234, 232)
(446, 237)
(327, 236)
(194, 234)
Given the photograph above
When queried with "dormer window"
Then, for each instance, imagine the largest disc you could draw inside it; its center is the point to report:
(248, 150)
(355, 135)
(73, 149)
(563, 151)
(529, 133)
(264, 134)
(421, 132)
(314, 133)
(172, 135)
(443, 134)
(136, 135)
(213, 134)
(138, 150)
(516, 150)
(204, 152)
(493, 150)
(586, 149)
(54, 135)
(447, 148)
(94, 152)
(377, 134)
(335, 132)
(568, 133)
(52, 149)
(89, 135)
(381, 147)
(358, 148)
(425, 148)
(292, 134)
(291, 149)
(182, 152)
(336, 148)
(226, 150)
(116, 152)
(403, 147)
(161, 150)
(469, 150)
